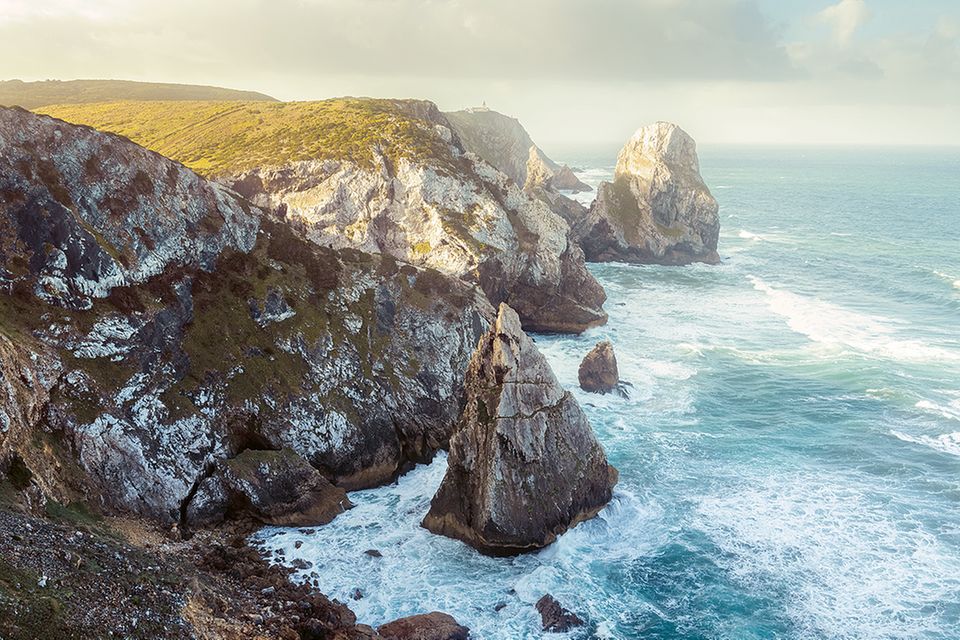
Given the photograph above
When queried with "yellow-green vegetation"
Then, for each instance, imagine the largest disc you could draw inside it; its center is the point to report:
(30, 95)
(217, 138)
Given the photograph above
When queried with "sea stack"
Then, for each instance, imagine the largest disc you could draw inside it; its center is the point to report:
(524, 464)
(658, 210)
(598, 371)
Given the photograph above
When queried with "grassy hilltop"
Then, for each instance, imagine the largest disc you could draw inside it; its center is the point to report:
(216, 138)
(31, 95)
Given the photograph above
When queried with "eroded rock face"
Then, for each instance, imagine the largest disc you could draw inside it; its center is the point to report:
(427, 626)
(497, 138)
(524, 464)
(275, 487)
(657, 210)
(456, 214)
(84, 212)
(598, 371)
(153, 357)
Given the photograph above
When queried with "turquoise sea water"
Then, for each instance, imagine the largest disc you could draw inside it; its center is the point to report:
(790, 455)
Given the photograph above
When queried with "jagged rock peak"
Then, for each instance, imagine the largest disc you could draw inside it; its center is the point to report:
(658, 210)
(524, 464)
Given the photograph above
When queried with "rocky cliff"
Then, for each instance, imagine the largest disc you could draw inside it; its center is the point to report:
(382, 176)
(657, 210)
(524, 464)
(154, 326)
(543, 173)
(497, 138)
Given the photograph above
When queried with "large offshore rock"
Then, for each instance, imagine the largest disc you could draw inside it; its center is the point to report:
(657, 210)
(152, 332)
(524, 464)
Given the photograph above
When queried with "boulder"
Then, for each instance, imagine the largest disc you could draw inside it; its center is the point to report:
(598, 370)
(658, 210)
(275, 487)
(426, 626)
(524, 464)
(554, 617)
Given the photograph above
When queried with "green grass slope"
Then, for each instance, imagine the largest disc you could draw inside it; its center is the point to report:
(31, 95)
(217, 138)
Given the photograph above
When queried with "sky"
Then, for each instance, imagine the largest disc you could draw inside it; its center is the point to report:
(883, 72)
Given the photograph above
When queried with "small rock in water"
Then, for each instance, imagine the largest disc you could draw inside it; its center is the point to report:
(298, 544)
(357, 594)
(554, 617)
(300, 563)
(499, 606)
(598, 371)
(373, 553)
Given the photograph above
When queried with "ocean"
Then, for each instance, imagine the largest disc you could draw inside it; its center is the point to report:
(789, 455)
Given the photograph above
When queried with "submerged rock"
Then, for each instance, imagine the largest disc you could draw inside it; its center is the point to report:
(524, 464)
(658, 210)
(554, 617)
(426, 626)
(598, 370)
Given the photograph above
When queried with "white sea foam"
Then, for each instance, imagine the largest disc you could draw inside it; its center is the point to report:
(950, 410)
(949, 278)
(946, 443)
(832, 325)
(846, 564)
(420, 571)
(747, 235)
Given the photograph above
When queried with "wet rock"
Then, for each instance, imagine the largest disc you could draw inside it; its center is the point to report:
(598, 370)
(373, 553)
(427, 626)
(524, 464)
(281, 488)
(554, 617)
(658, 210)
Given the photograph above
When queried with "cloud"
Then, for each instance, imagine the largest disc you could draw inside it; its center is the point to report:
(627, 40)
(844, 18)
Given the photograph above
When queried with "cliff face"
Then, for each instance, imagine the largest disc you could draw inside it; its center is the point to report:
(658, 210)
(396, 180)
(499, 139)
(524, 464)
(155, 326)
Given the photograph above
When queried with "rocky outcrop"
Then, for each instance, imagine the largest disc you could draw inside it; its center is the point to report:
(524, 464)
(84, 212)
(274, 487)
(497, 138)
(155, 327)
(427, 626)
(381, 176)
(554, 617)
(546, 174)
(598, 371)
(657, 210)
(452, 212)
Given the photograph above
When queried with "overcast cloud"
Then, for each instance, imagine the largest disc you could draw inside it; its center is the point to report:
(572, 70)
